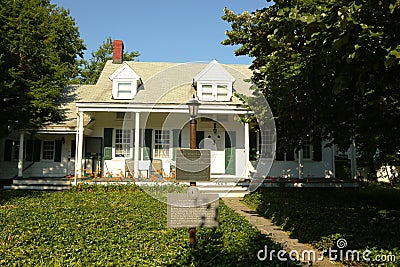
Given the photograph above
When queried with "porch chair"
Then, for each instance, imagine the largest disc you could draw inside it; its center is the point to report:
(144, 167)
(129, 168)
(157, 168)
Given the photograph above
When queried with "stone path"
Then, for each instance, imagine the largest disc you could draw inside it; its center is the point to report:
(276, 234)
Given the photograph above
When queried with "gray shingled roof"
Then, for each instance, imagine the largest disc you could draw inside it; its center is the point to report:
(163, 83)
(159, 78)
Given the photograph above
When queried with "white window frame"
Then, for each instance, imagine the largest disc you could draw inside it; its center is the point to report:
(127, 154)
(162, 149)
(15, 150)
(307, 146)
(48, 150)
(132, 88)
(214, 90)
(307, 149)
(222, 97)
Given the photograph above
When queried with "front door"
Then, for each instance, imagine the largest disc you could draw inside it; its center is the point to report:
(230, 153)
(215, 143)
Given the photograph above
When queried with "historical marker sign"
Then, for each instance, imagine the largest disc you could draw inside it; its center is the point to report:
(193, 164)
(188, 210)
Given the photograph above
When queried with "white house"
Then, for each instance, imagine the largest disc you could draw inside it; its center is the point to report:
(136, 115)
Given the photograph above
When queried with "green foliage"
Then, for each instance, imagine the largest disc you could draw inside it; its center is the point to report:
(327, 68)
(39, 46)
(367, 219)
(95, 225)
(91, 69)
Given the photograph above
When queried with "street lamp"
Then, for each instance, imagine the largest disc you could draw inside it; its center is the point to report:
(193, 106)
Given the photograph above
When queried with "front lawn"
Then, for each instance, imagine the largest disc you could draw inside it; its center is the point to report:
(366, 219)
(115, 226)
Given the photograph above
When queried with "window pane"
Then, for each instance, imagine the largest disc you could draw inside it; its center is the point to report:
(222, 90)
(161, 143)
(16, 149)
(124, 90)
(48, 150)
(123, 143)
(307, 148)
(206, 89)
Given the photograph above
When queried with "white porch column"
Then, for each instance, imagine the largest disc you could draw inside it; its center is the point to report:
(137, 144)
(79, 141)
(21, 154)
(353, 159)
(333, 161)
(246, 148)
(300, 156)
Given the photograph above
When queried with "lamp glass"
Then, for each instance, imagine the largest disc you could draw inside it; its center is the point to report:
(193, 105)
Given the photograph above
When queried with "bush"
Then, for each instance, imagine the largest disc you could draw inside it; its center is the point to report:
(367, 219)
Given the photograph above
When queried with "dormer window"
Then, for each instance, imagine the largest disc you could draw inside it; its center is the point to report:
(124, 90)
(214, 83)
(125, 83)
(214, 91)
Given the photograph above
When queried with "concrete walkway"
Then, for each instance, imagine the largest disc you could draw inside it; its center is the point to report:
(276, 234)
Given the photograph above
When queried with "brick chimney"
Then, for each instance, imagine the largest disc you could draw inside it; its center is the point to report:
(118, 52)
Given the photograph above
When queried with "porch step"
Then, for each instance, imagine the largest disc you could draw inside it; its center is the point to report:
(37, 187)
(222, 187)
(225, 191)
(45, 184)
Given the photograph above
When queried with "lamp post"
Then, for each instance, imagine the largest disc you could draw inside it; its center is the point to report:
(193, 106)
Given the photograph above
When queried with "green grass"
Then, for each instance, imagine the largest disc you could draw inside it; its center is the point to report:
(116, 226)
(367, 219)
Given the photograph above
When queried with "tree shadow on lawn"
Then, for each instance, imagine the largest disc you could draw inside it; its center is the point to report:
(234, 243)
(368, 218)
(9, 195)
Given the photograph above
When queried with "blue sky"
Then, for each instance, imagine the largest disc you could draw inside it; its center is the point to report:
(172, 31)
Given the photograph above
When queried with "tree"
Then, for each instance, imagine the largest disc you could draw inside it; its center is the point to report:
(328, 69)
(91, 69)
(39, 46)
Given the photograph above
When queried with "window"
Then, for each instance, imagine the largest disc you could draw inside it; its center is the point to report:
(48, 150)
(16, 150)
(125, 82)
(123, 116)
(215, 92)
(222, 92)
(207, 90)
(161, 144)
(124, 90)
(123, 143)
(307, 148)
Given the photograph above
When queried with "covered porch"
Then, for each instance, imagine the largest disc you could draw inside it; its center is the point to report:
(139, 142)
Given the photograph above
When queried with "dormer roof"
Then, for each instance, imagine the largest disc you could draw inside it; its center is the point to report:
(214, 71)
(124, 72)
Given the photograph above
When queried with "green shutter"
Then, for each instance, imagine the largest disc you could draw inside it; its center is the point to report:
(230, 152)
(57, 150)
(317, 150)
(148, 137)
(253, 146)
(108, 136)
(29, 150)
(290, 154)
(73, 148)
(36, 150)
(175, 141)
(8, 145)
(107, 153)
(279, 156)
